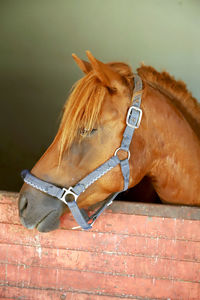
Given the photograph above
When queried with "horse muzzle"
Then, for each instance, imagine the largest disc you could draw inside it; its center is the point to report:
(38, 210)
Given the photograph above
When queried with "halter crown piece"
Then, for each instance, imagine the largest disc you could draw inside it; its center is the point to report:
(70, 195)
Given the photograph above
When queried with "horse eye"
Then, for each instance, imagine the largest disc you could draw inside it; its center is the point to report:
(87, 132)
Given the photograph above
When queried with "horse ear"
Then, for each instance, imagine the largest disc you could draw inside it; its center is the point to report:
(105, 74)
(83, 65)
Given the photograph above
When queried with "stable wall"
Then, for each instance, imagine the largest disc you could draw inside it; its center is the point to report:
(134, 251)
(37, 71)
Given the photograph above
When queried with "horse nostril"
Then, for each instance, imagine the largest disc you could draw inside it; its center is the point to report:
(23, 203)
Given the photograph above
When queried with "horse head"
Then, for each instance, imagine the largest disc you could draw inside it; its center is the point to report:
(95, 125)
(91, 130)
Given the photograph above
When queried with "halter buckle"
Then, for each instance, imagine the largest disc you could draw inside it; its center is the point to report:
(67, 192)
(131, 109)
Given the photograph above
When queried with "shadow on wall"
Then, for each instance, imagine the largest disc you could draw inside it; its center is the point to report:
(37, 71)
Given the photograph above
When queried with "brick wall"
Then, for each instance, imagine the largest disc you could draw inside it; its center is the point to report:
(134, 251)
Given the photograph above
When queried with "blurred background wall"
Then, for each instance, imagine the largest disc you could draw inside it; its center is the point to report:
(37, 38)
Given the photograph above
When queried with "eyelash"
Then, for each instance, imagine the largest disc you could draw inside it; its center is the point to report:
(86, 132)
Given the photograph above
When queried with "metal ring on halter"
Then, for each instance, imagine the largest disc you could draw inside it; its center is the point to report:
(128, 152)
(73, 196)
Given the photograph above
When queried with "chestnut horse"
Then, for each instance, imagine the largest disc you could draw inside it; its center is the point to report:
(165, 148)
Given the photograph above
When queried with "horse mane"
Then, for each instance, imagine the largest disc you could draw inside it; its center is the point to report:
(83, 107)
(176, 91)
(81, 110)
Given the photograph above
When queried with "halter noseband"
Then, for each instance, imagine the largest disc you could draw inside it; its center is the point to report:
(70, 195)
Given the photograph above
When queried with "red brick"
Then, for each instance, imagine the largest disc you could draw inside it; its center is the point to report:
(3, 273)
(142, 225)
(3, 252)
(123, 224)
(103, 262)
(102, 242)
(123, 256)
(9, 213)
(8, 197)
(34, 294)
(95, 283)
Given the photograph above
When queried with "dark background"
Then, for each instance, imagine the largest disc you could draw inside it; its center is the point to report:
(37, 38)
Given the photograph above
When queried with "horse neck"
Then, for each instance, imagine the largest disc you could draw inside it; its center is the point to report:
(172, 156)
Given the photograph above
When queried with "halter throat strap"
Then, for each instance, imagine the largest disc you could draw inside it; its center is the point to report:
(70, 195)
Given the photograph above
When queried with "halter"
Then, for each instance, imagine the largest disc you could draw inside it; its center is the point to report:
(70, 195)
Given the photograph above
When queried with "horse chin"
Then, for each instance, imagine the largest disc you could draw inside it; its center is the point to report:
(50, 222)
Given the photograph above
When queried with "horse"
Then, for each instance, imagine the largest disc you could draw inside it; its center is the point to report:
(165, 148)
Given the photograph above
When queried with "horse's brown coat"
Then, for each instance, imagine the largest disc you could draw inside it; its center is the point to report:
(165, 148)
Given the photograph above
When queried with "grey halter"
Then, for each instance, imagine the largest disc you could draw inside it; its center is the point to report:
(70, 195)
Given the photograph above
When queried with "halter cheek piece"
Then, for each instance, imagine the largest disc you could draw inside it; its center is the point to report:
(70, 195)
